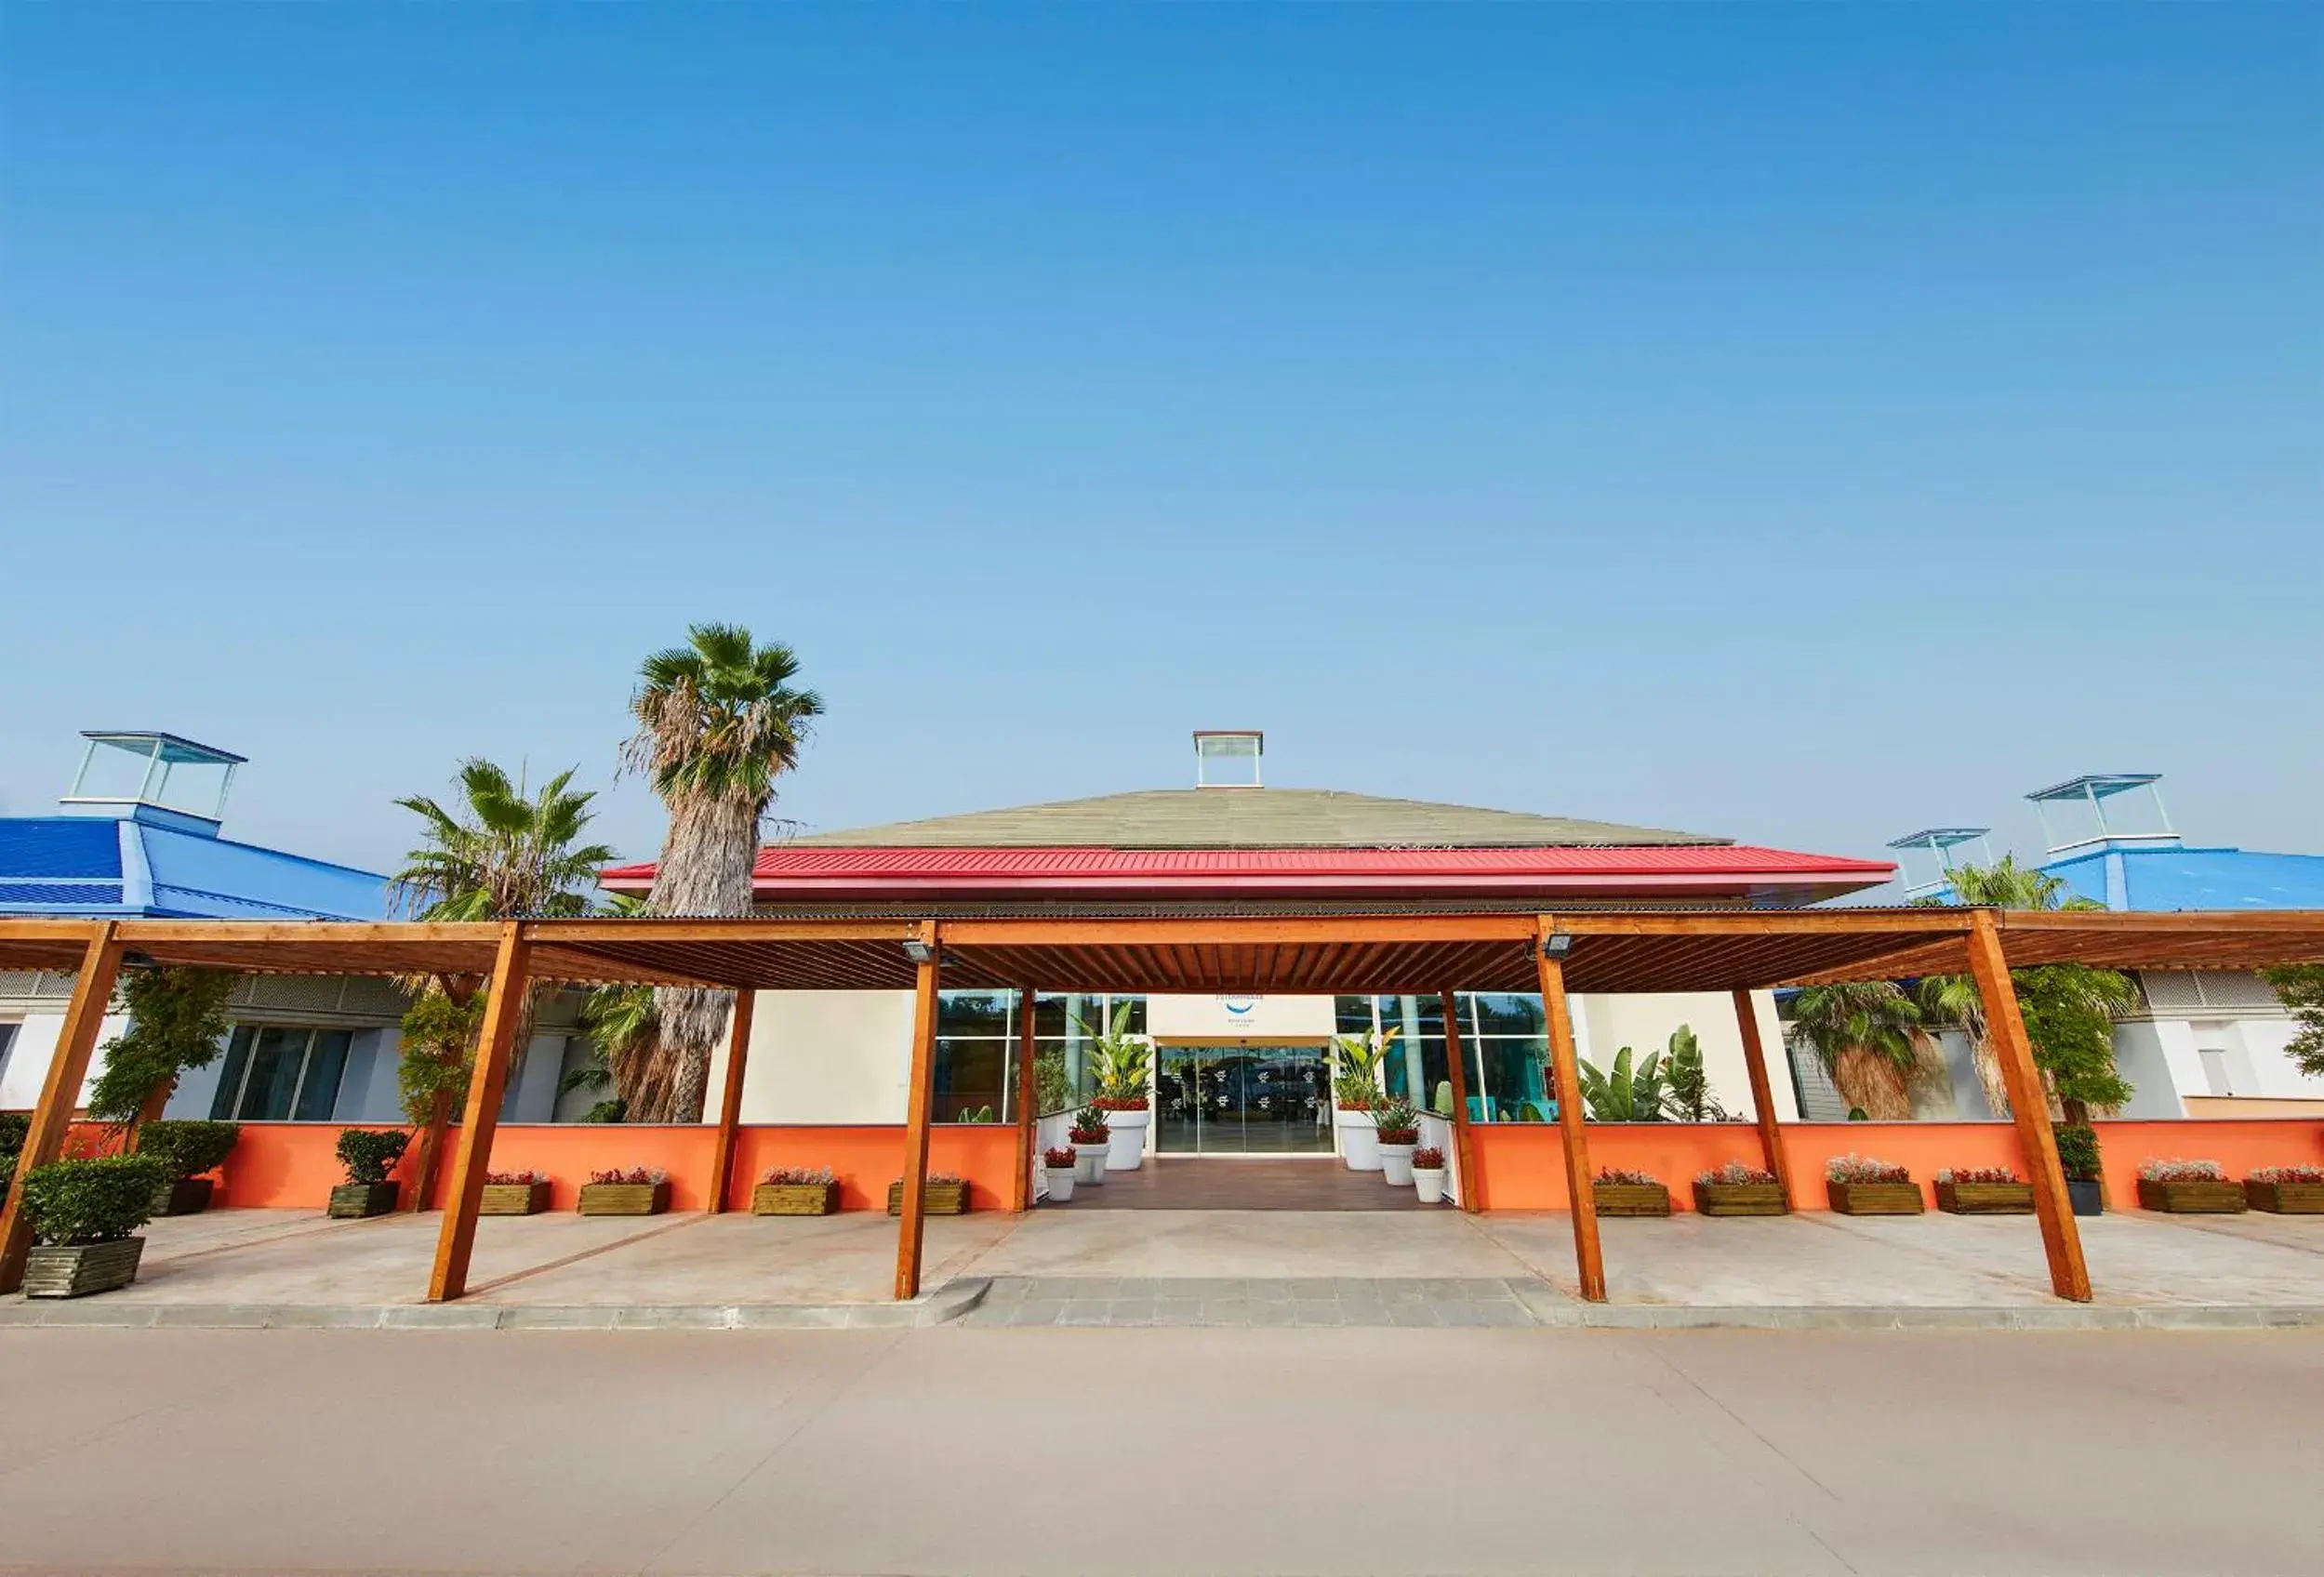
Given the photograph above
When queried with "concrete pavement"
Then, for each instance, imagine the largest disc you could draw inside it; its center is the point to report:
(958, 1450)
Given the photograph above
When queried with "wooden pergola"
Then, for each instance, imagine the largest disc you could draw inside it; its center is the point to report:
(1611, 952)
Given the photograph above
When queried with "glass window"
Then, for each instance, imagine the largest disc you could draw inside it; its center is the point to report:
(1512, 1072)
(1353, 1014)
(276, 1072)
(1507, 1014)
(975, 1012)
(972, 1079)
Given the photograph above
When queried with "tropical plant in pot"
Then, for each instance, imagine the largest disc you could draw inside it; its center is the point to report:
(1427, 1174)
(1090, 1138)
(1624, 1094)
(187, 1152)
(2079, 1158)
(368, 1154)
(1398, 1133)
(1123, 1061)
(1356, 1092)
(1058, 1164)
(84, 1214)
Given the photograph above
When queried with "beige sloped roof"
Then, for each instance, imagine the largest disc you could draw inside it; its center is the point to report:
(1250, 818)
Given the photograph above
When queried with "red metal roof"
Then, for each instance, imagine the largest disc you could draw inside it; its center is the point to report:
(788, 871)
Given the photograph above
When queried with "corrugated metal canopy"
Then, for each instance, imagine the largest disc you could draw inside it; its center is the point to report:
(1632, 951)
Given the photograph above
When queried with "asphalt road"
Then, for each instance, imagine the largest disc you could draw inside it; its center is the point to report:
(1164, 1451)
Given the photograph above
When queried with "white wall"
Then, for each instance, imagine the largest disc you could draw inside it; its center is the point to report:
(1603, 1025)
(824, 1057)
(36, 1048)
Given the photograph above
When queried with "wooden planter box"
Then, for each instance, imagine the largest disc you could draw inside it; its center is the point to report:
(1740, 1198)
(1985, 1199)
(2192, 1199)
(515, 1199)
(1631, 1198)
(1876, 1198)
(56, 1270)
(943, 1199)
(350, 1200)
(795, 1199)
(624, 1198)
(187, 1196)
(2285, 1198)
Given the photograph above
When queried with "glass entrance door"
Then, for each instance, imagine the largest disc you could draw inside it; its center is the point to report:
(1243, 1100)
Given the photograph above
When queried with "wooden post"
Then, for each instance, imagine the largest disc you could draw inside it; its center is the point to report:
(912, 1226)
(1587, 1258)
(1028, 1103)
(2029, 1105)
(730, 1103)
(503, 1009)
(59, 1091)
(1456, 1065)
(1764, 1096)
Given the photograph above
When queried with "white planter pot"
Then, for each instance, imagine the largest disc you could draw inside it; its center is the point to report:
(1396, 1162)
(1125, 1140)
(1089, 1161)
(1061, 1181)
(1359, 1139)
(1429, 1185)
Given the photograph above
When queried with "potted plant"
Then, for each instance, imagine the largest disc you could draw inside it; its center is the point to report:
(1619, 1190)
(1861, 1186)
(186, 1152)
(796, 1190)
(1737, 1190)
(1396, 1128)
(1059, 1165)
(2286, 1190)
(84, 1214)
(2189, 1188)
(1355, 1092)
(640, 1190)
(2077, 1158)
(1122, 1063)
(1984, 1190)
(368, 1154)
(946, 1195)
(514, 1193)
(1091, 1144)
(1427, 1174)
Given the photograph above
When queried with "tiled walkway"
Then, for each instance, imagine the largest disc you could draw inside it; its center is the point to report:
(1302, 1183)
(1433, 1302)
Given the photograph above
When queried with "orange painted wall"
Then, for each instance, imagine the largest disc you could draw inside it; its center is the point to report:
(1522, 1165)
(293, 1164)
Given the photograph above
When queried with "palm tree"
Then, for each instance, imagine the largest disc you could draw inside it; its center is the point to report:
(1952, 999)
(503, 856)
(719, 722)
(1863, 1033)
(506, 855)
(626, 1029)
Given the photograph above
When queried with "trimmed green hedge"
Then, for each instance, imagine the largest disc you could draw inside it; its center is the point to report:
(188, 1148)
(370, 1153)
(92, 1201)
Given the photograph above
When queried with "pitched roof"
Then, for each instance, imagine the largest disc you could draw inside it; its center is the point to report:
(1251, 818)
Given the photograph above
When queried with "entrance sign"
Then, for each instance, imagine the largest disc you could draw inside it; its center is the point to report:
(1239, 1019)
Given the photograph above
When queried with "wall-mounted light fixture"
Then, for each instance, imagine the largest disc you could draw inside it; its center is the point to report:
(1556, 945)
(919, 951)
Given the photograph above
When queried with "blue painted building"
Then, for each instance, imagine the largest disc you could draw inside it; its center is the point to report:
(139, 835)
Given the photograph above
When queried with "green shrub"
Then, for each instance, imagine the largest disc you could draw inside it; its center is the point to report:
(8, 1173)
(369, 1153)
(189, 1150)
(15, 1128)
(2077, 1151)
(97, 1200)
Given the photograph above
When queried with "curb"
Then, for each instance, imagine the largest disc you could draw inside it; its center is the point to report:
(947, 1303)
(2033, 1317)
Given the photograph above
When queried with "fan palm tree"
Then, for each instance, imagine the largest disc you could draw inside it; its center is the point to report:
(506, 855)
(1953, 1000)
(719, 722)
(1863, 1033)
(625, 1028)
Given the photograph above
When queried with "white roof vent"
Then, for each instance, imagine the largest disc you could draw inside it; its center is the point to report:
(1228, 758)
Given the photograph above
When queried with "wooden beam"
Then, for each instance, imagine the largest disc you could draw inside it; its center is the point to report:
(912, 1228)
(1237, 930)
(1456, 1065)
(60, 1090)
(1587, 1258)
(2029, 1107)
(1028, 1102)
(722, 1179)
(503, 1009)
(1764, 1096)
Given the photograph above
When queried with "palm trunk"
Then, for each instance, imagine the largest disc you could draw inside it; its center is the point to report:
(1989, 1079)
(1871, 1083)
(705, 873)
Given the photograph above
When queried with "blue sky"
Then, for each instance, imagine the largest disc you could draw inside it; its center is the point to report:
(1800, 424)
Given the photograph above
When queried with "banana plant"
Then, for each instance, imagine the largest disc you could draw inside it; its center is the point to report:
(1625, 1093)
(1122, 1058)
(1356, 1079)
